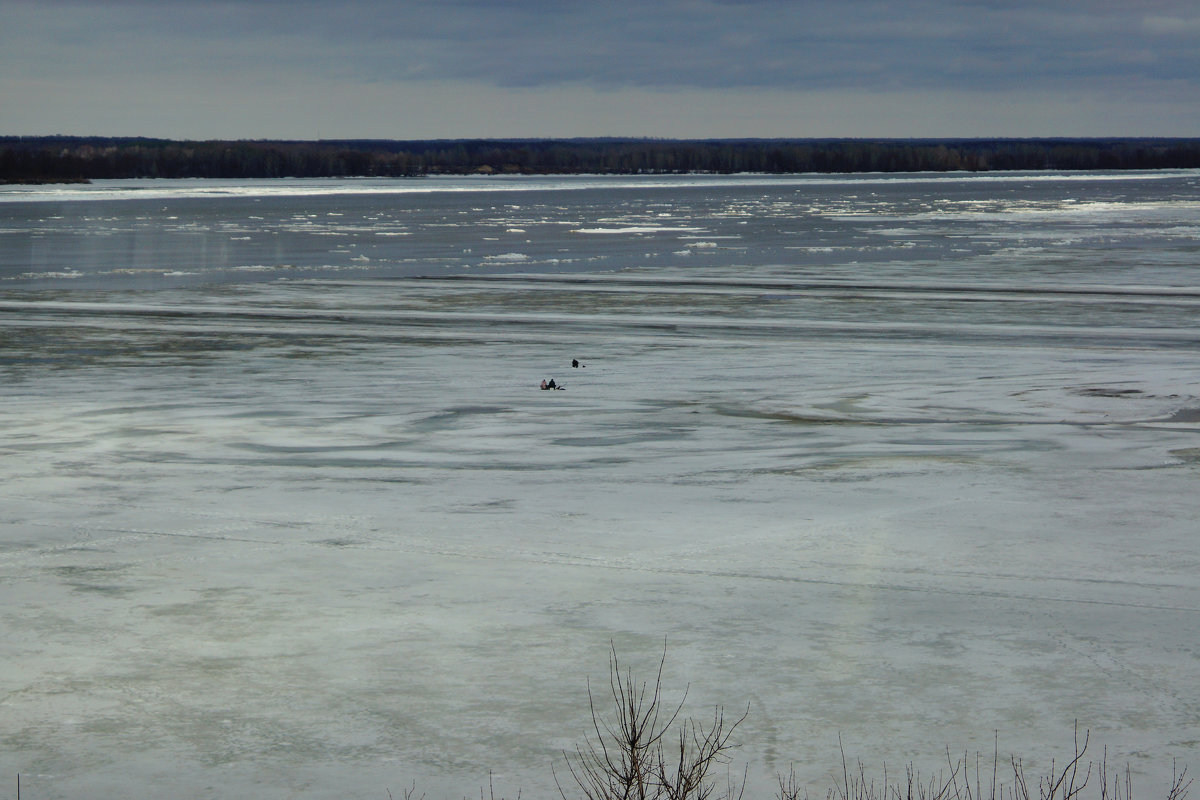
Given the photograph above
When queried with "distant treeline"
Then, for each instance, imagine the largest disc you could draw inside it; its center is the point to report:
(41, 159)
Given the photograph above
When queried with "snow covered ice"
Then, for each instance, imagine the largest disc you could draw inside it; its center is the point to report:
(908, 460)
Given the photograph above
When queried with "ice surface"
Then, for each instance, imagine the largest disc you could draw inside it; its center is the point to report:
(323, 536)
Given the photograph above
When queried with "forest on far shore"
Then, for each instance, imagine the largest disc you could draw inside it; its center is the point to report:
(61, 159)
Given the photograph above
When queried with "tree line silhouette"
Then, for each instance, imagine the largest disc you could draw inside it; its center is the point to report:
(42, 159)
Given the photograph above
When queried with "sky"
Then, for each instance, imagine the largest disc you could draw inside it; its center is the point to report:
(397, 69)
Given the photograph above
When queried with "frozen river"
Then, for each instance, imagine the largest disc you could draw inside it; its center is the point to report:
(913, 461)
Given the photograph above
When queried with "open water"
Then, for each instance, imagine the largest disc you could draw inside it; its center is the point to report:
(913, 461)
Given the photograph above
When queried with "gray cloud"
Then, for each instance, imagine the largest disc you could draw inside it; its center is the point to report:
(1148, 50)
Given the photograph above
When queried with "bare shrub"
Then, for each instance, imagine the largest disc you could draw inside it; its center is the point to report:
(1059, 783)
(628, 756)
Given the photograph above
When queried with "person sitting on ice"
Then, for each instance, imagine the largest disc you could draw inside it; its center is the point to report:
(544, 384)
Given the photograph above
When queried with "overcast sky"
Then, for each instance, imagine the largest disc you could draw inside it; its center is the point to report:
(396, 69)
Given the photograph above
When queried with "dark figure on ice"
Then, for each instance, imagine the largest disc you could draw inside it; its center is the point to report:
(575, 363)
